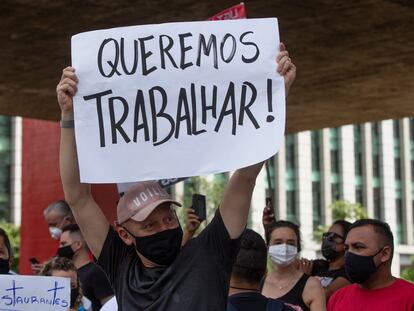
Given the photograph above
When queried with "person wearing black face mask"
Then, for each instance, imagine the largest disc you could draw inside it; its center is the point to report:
(369, 250)
(142, 254)
(5, 253)
(94, 282)
(330, 270)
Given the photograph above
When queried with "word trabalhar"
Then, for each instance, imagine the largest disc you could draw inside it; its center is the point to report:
(112, 54)
(187, 111)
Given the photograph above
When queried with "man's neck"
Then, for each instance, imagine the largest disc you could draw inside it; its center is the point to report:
(81, 259)
(378, 280)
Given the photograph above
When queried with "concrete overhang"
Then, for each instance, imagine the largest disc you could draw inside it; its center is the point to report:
(355, 58)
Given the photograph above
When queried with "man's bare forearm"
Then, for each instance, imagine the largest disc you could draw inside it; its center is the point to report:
(69, 169)
(234, 208)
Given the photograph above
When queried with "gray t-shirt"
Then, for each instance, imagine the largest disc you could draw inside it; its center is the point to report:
(197, 280)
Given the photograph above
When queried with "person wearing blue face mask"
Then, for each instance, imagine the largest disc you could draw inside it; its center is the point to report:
(286, 282)
(369, 249)
(6, 257)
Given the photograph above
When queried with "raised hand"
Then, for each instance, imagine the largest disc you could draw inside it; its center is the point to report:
(65, 91)
(285, 67)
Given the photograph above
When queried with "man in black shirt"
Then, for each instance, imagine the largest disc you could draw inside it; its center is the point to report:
(142, 254)
(94, 282)
(247, 274)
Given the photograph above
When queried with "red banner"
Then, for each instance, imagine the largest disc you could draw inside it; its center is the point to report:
(235, 12)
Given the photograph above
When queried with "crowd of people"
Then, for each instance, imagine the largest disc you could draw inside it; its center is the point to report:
(146, 261)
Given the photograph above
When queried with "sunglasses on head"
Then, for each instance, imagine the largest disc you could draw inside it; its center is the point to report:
(332, 236)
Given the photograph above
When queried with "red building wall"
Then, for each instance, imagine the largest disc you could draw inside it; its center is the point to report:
(41, 185)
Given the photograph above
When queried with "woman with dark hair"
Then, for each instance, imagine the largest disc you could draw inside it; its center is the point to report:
(330, 270)
(286, 282)
(5, 253)
(63, 267)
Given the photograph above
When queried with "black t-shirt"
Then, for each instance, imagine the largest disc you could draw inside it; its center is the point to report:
(95, 284)
(198, 279)
(326, 276)
(250, 301)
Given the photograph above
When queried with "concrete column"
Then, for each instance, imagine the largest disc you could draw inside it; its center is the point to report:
(304, 185)
(326, 177)
(280, 195)
(387, 174)
(16, 170)
(406, 179)
(347, 162)
(367, 168)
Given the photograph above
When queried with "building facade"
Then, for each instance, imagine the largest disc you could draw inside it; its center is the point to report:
(371, 164)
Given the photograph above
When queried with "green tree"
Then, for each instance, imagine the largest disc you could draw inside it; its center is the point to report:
(13, 233)
(408, 273)
(342, 210)
(213, 190)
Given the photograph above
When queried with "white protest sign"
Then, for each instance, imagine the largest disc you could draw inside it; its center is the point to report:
(34, 293)
(177, 100)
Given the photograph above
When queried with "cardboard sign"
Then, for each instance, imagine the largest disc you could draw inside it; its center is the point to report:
(177, 100)
(34, 293)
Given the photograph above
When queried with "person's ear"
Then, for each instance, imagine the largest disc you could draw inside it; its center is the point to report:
(386, 254)
(124, 235)
(78, 245)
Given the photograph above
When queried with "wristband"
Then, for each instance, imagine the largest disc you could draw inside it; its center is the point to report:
(70, 124)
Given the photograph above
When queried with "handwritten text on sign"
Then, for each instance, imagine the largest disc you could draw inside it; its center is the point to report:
(34, 293)
(177, 100)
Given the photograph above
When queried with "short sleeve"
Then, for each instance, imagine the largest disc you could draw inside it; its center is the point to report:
(113, 253)
(217, 239)
(101, 286)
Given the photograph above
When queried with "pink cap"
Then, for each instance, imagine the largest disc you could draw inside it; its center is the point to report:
(140, 200)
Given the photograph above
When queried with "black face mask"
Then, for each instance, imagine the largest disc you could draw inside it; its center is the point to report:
(4, 266)
(161, 248)
(74, 293)
(359, 268)
(65, 251)
(329, 250)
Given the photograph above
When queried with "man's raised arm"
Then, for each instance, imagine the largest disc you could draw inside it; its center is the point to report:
(88, 215)
(234, 207)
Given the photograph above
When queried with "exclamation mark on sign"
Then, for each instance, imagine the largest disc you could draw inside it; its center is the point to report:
(270, 118)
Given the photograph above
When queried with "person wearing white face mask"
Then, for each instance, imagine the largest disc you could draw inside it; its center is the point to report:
(285, 282)
(57, 216)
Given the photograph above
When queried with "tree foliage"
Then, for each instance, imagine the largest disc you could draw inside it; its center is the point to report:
(343, 210)
(212, 189)
(408, 273)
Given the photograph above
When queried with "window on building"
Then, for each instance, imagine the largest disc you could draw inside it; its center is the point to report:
(334, 147)
(336, 191)
(377, 203)
(315, 143)
(5, 162)
(376, 165)
(316, 204)
(400, 222)
(358, 149)
(359, 195)
(291, 206)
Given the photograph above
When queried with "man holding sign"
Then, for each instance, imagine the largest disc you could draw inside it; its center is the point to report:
(142, 255)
